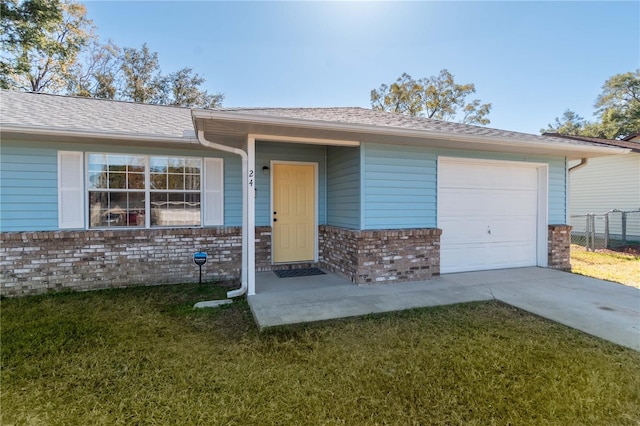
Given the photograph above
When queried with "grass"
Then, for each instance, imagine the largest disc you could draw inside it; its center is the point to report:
(617, 267)
(143, 356)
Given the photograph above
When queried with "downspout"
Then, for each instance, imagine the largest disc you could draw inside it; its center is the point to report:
(245, 232)
(583, 162)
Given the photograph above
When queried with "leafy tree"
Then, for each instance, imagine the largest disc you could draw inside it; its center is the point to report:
(570, 124)
(617, 113)
(404, 96)
(143, 82)
(141, 75)
(49, 46)
(181, 88)
(618, 105)
(438, 97)
(41, 40)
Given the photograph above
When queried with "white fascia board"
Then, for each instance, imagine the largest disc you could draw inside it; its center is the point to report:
(47, 131)
(562, 147)
(295, 139)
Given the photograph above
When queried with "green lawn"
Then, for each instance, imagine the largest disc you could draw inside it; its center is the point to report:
(143, 356)
(618, 267)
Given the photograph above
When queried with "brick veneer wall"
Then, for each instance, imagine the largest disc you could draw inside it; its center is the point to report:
(38, 262)
(381, 255)
(263, 248)
(560, 247)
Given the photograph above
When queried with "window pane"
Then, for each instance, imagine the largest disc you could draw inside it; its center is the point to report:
(158, 164)
(158, 181)
(192, 165)
(135, 165)
(175, 209)
(176, 165)
(192, 182)
(117, 180)
(98, 179)
(98, 162)
(116, 209)
(135, 210)
(176, 182)
(98, 206)
(135, 181)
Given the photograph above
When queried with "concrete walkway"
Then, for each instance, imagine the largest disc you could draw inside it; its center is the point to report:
(601, 308)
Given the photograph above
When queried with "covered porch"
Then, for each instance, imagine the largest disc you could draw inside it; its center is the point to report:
(290, 165)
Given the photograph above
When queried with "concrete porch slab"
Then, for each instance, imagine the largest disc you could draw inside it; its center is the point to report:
(601, 308)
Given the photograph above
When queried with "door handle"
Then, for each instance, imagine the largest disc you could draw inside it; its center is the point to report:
(275, 220)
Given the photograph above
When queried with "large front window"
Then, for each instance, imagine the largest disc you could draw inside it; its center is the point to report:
(138, 191)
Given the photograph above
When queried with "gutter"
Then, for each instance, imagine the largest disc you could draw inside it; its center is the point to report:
(48, 131)
(583, 162)
(245, 234)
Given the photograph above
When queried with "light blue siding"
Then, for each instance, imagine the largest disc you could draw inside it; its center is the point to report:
(399, 187)
(343, 187)
(400, 184)
(375, 187)
(28, 188)
(29, 181)
(274, 151)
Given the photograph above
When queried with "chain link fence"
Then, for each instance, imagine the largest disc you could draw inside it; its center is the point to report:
(608, 230)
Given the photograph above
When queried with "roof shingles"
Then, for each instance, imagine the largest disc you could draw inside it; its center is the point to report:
(43, 111)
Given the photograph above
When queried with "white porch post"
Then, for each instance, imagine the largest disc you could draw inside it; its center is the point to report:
(251, 216)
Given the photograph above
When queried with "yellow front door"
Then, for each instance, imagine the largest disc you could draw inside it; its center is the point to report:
(294, 213)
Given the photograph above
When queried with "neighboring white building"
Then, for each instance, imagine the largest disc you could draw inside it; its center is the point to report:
(607, 183)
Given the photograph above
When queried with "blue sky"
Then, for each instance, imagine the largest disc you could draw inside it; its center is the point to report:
(531, 60)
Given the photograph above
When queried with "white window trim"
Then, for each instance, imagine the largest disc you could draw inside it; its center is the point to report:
(203, 197)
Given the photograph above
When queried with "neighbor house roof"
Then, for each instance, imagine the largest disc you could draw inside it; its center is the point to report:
(87, 118)
(624, 143)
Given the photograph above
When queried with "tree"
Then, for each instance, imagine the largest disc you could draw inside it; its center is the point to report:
(98, 74)
(141, 75)
(41, 41)
(617, 113)
(570, 124)
(49, 46)
(618, 105)
(181, 88)
(437, 97)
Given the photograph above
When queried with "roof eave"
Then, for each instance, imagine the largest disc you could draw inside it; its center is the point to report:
(579, 151)
(83, 134)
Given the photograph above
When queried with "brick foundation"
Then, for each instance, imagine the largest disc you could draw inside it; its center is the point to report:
(378, 256)
(39, 262)
(560, 247)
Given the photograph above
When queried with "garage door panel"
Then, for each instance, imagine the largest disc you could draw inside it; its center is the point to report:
(464, 175)
(460, 230)
(474, 257)
(492, 203)
(488, 213)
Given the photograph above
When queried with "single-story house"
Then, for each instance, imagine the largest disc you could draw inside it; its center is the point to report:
(99, 193)
(607, 183)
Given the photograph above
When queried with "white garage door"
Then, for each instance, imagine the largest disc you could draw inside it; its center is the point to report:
(488, 213)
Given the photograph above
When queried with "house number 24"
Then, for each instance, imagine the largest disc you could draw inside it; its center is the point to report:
(251, 178)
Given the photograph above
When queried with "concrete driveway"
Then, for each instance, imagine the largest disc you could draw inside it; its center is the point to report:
(600, 308)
